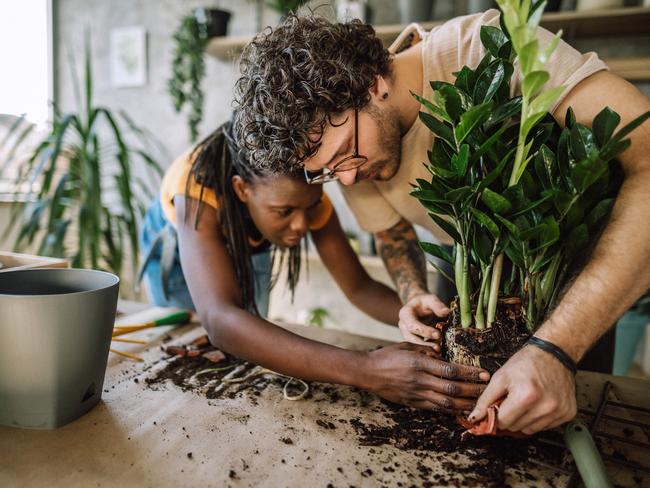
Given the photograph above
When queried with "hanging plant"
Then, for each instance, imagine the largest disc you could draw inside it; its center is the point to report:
(521, 197)
(188, 64)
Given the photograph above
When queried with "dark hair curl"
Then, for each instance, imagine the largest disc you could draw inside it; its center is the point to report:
(294, 78)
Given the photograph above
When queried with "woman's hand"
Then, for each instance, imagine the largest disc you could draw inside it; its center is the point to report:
(413, 375)
(422, 307)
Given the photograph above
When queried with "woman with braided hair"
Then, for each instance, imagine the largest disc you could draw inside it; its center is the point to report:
(210, 240)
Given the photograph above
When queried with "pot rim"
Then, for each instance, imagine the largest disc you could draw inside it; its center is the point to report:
(110, 276)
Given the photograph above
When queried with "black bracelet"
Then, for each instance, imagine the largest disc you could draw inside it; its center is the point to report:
(551, 348)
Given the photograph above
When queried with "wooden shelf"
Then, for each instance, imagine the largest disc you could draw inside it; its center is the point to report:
(630, 21)
(614, 22)
(632, 69)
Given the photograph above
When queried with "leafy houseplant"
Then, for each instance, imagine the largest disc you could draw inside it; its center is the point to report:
(521, 197)
(188, 64)
(84, 198)
(285, 7)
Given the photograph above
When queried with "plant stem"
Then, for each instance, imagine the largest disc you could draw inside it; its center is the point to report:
(480, 312)
(494, 289)
(464, 290)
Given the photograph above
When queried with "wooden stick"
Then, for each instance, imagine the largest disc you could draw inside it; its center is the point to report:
(126, 355)
(118, 331)
(130, 341)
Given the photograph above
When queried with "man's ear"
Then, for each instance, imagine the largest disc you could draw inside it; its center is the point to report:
(240, 188)
(379, 91)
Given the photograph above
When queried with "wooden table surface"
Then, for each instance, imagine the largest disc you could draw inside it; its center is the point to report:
(139, 436)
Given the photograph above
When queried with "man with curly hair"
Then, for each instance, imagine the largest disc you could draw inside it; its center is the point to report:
(328, 97)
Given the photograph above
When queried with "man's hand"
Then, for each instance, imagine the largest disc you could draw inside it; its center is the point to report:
(424, 306)
(539, 391)
(412, 375)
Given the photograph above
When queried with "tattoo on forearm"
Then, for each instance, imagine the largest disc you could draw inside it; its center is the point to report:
(403, 258)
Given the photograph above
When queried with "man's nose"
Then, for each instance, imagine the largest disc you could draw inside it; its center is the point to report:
(348, 177)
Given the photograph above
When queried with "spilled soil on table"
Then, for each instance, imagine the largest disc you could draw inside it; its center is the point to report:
(471, 461)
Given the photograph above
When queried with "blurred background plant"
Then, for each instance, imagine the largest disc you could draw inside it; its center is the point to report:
(79, 194)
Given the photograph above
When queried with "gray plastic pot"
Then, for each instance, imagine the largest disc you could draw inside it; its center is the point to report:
(55, 332)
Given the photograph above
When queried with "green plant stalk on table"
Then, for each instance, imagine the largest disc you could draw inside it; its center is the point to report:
(507, 183)
(188, 70)
(84, 180)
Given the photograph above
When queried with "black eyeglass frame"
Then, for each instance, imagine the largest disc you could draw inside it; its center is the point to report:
(325, 175)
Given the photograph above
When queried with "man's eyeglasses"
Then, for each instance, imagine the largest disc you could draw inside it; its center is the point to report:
(348, 163)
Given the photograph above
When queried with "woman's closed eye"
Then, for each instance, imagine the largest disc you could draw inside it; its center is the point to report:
(284, 212)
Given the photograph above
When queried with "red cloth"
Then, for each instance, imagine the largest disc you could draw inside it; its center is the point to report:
(487, 426)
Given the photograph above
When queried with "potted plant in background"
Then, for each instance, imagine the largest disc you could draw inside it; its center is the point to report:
(188, 64)
(415, 10)
(521, 197)
(285, 7)
(83, 197)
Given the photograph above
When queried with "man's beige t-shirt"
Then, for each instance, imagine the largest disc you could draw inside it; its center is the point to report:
(379, 205)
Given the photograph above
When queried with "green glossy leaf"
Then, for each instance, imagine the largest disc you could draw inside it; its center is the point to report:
(599, 213)
(574, 216)
(440, 129)
(604, 125)
(623, 132)
(544, 54)
(482, 245)
(428, 196)
(454, 105)
(458, 194)
(515, 255)
(613, 149)
(543, 102)
(446, 226)
(470, 120)
(516, 197)
(440, 154)
(577, 241)
(486, 222)
(586, 173)
(504, 112)
(493, 39)
(459, 161)
(583, 144)
(465, 79)
(535, 13)
(506, 51)
(533, 83)
(512, 228)
(544, 166)
(488, 82)
(496, 172)
(495, 202)
(437, 251)
(528, 56)
(569, 118)
(548, 196)
(435, 110)
(562, 200)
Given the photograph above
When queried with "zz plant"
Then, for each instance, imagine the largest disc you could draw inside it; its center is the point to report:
(521, 197)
